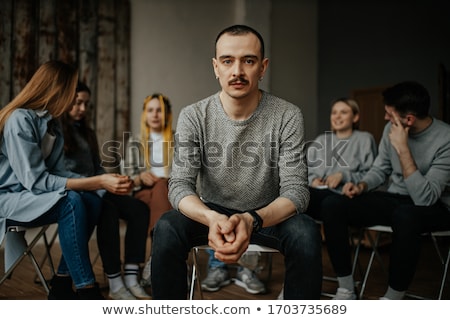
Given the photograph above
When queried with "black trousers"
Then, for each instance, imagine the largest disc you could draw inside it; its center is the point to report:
(407, 220)
(137, 216)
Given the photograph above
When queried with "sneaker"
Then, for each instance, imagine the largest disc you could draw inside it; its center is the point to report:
(139, 292)
(248, 280)
(122, 294)
(61, 289)
(216, 278)
(344, 294)
(146, 280)
(281, 294)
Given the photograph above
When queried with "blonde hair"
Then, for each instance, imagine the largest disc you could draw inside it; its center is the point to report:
(51, 88)
(166, 129)
(353, 106)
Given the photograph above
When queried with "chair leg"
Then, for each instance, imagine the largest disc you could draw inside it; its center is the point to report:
(375, 253)
(39, 272)
(195, 278)
(444, 277)
(48, 245)
(18, 249)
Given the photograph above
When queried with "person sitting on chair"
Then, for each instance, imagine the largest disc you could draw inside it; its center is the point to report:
(247, 149)
(82, 156)
(35, 187)
(414, 154)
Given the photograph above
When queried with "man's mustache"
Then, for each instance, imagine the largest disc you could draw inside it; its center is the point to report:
(238, 79)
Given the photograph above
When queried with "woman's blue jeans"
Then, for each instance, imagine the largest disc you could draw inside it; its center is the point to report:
(76, 215)
(297, 238)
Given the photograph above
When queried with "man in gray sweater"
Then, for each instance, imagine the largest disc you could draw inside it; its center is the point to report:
(414, 154)
(246, 149)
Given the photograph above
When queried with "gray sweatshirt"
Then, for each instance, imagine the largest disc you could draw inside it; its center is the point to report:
(431, 152)
(352, 156)
(240, 165)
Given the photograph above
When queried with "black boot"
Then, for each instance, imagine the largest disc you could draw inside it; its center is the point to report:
(61, 289)
(92, 293)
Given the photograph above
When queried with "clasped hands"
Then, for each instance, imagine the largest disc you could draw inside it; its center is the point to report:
(230, 236)
(116, 183)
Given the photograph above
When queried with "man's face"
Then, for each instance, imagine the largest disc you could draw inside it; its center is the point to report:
(238, 64)
(389, 115)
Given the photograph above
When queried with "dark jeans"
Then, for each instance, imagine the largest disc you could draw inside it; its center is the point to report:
(297, 238)
(315, 201)
(136, 214)
(407, 220)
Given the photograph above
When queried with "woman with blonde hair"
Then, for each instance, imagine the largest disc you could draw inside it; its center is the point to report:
(151, 172)
(156, 139)
(35, 187)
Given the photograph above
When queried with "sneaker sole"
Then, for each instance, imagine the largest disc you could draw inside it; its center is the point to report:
(249, 290)
(213, 289)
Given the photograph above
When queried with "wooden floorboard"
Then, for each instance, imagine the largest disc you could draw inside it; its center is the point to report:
(22, 285)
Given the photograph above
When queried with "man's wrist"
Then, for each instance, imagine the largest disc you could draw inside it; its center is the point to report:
(257, 221)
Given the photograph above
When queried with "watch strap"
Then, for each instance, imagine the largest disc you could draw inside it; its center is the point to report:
(257, 220)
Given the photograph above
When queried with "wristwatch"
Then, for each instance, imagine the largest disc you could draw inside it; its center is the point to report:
(257, 220)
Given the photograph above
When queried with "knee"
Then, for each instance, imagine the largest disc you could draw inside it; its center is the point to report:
(407, 217)
(73, 208)
(304, 235)
(165, 229)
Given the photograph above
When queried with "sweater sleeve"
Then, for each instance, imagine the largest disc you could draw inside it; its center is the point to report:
(364, 153)
(292, 162)
(186, 161)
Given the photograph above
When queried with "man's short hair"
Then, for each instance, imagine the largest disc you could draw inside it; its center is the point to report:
(240, 29)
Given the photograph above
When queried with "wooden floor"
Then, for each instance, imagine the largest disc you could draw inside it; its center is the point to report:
(22, 285)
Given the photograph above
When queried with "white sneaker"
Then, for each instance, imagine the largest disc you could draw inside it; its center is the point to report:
(216, 278)
(146, 280)
(344, 294)
(139, 292)
(281, 294)
(248, 280)
(122, 294)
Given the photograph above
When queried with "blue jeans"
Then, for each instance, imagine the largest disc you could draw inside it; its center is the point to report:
(213, 262)
(76, 215)
(297, 238)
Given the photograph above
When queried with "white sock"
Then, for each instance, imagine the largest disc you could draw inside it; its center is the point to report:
(115, 281)
(131, 272)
